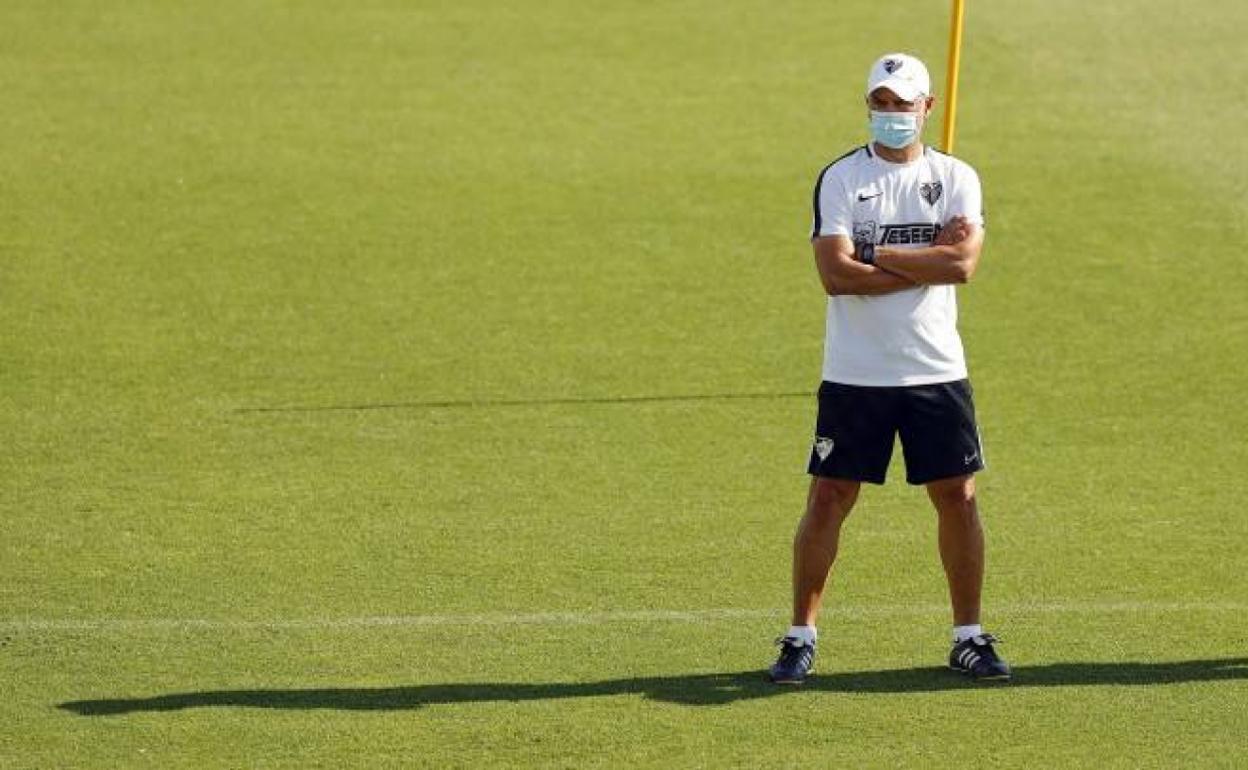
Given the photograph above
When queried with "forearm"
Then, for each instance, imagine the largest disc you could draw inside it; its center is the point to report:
(928, 264)
(865, 280)
(842, 274)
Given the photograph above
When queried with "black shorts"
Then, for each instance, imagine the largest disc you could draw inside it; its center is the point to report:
(855, 428)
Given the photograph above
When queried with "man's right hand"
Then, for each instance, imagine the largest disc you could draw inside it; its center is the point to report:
(954, 231)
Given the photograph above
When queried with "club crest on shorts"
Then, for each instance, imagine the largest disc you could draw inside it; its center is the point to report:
(931, 191)
(823, 446)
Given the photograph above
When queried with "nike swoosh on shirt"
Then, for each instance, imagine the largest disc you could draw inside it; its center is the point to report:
(862, 197)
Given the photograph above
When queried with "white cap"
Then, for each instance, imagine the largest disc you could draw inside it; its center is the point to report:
(902, 74)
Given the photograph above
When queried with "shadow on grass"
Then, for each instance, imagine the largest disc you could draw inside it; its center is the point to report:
(693, 690)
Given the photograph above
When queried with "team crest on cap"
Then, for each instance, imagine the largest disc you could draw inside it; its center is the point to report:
(892, 65)
(931, 191)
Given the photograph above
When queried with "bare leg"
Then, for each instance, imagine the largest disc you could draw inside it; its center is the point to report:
(814, 547)
(961, 539)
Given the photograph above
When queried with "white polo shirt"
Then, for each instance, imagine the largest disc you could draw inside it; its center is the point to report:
(908, 337)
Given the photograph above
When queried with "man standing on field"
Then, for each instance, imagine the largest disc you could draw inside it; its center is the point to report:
(896, 226)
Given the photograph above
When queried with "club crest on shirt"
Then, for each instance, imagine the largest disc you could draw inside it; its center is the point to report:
(864, 232)
(931, 191)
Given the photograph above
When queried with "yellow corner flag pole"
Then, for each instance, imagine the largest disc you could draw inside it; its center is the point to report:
(951, 76)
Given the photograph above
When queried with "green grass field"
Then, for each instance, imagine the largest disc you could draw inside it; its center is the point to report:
(424, 384)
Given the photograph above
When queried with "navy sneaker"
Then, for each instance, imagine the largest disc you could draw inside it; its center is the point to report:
(797, 658)
(976, 658)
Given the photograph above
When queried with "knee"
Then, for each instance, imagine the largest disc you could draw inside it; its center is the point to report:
(831, 499)
(955, 498)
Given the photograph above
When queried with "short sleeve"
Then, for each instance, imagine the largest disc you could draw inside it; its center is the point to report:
(832, 215)
(967, 199)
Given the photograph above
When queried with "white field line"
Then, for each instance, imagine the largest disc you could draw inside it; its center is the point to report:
(586, 618)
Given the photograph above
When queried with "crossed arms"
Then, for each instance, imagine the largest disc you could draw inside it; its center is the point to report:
(952, 258)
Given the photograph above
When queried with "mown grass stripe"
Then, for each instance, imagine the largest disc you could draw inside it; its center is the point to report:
(488, 403)
(583, 618)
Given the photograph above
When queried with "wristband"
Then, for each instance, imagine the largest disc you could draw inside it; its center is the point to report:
(866, 253)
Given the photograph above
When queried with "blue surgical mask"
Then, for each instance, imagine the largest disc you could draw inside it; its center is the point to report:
(895, 129)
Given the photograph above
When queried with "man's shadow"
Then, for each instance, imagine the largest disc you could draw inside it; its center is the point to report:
(692, 690)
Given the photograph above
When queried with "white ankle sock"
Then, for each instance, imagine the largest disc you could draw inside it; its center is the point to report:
(807, 634)
(962, 633)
